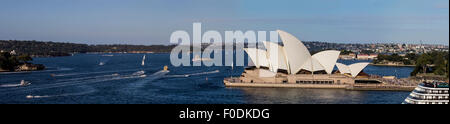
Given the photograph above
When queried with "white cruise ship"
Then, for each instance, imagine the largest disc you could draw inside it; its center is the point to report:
(429, 93)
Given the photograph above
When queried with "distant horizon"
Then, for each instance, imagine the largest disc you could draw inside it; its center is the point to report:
(151, 22)
(424, 43)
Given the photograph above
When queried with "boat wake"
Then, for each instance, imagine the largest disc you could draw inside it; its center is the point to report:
(10, 85)
(193, 74)
(74, 82)
(42, 71)
(203, 73)
(89, 73)
(150, 78)
(89, 90)
(87, 78)
(23, 83)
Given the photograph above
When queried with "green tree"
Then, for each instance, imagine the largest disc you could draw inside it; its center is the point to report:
(422, 64)
(439, 64)
(438, 59)
(345, 52)
(24, 58)
(412, 56)
(7, 62)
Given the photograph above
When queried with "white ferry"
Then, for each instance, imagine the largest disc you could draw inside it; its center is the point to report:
(429, 93)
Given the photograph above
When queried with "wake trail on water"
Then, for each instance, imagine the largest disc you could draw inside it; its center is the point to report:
(132, 88)
(193, 74)
(156, 75)
(73, 83)
(85, 78)
(10, 85)
(24, 72)
(88, 73)
(88, 90)
(150, 78)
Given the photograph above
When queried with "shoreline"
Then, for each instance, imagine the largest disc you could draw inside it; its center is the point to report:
(390, 65)
(71, 54)
(27, 67)
(12, 72)
(228, 83)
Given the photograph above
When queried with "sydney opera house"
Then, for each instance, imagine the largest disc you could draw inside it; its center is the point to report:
(292, 63)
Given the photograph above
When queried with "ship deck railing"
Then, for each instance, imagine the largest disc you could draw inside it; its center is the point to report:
(417, 98)
(416, 101)
(430, 92)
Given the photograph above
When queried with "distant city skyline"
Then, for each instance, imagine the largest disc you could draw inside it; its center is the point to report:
(151, 22)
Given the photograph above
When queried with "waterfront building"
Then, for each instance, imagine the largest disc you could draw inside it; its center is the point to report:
(353, 69)
(367, 56)
(292, 63)
(350, 56)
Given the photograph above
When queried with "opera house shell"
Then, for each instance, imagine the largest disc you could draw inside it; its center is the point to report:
(297, 63)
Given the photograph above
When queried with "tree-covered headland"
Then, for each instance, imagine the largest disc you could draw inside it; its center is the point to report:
(435, 63)
(11, 62)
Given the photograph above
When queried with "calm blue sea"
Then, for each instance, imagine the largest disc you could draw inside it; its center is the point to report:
(80, 79)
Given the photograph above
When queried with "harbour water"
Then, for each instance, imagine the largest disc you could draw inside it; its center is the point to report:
(113, 78)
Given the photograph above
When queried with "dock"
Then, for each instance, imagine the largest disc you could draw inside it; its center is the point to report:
(234, 82)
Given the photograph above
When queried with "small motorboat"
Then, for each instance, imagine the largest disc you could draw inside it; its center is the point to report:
(24, 83)
(35, 97)
(139, 73)
(30, 97)
(166, 68)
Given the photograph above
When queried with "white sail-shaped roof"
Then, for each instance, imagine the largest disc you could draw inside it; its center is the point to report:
(353, 69)
(357, 67)
(327, 59)
(258, 57)
(343, 68)
(294, 56)
(296, 53)
(313, 65)
(276, 56)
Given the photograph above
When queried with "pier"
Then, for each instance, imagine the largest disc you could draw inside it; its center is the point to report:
(236, 82)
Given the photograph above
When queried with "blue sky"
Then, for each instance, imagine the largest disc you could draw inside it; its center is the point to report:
(152, 21)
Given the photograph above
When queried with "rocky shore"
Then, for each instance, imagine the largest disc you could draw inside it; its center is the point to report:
(25, 67)
(30, 67)
(394, 65)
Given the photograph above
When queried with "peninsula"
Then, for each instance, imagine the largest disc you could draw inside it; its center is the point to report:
(55, 49)
(10, 61)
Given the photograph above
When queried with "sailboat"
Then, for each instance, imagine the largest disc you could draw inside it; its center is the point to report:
(142, 72)
(232, 65)
(24, 83)
(143, 61)
(232, 69)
